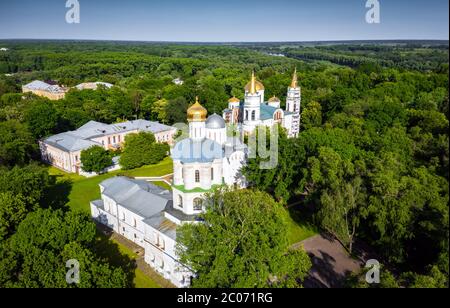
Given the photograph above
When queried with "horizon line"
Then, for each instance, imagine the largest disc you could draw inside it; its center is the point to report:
(225, 42)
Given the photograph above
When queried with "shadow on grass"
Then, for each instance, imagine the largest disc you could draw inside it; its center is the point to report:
(110, 251)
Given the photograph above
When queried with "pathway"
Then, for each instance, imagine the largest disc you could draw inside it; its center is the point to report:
(331, 262)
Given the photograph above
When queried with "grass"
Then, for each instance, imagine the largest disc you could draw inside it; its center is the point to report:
(163, 185)
(83, 190)
(298, 230)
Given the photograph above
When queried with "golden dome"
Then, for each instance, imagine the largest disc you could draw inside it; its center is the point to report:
(196, 113)
(258, 86)
(234, 99)
(274, 99)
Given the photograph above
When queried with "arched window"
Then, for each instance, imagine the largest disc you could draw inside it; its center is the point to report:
(180, 201)
(246, 114)
(197, 176)
(198, 204)
(253, 115)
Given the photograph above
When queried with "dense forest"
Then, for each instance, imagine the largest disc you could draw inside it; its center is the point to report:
(371, 162)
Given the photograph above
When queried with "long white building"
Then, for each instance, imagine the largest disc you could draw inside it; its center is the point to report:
(149, 216)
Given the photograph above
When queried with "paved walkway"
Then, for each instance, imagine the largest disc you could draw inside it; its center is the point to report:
(165, 178)
(331, 262)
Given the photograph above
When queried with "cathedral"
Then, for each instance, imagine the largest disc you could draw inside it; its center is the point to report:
(149, 216)
(255, 111)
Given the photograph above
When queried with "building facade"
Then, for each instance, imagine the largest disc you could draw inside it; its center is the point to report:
(150, 217)
(63, 150)
(56, 92)
(44, 89)
(255, 111)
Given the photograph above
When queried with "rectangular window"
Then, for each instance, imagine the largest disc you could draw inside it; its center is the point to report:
(197, 176)
(212, 174)
(114, 139)
(109, 140)
(119, 138)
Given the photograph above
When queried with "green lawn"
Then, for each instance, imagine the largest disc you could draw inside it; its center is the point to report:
(163, 185)
(83, 190)
(298, 230)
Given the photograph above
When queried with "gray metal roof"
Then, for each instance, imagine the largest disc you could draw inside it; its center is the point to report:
(140, 197)
(162, 224)
(43, 86)
(70, 142)
(80, 139)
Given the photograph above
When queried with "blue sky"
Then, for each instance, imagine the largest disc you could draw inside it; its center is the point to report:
(224, 20)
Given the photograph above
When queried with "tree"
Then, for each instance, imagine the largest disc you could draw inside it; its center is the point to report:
(17, 145)
(312, 115)
(31, 181)
(341, 211)
(35, 256)
(158, 109)
(95, 159)
(13, 209)
(142, 149)
(241, 243)
(176, 110)
(42, 118)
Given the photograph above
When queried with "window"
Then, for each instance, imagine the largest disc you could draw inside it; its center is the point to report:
(114, 139)
(212, 174)
(103, 142)
(134, 222)
(135, 236)
(198, 204)
(180, 201)
(253, 115)
(246, 114)
(123, 216)
(109, 140)
(197, 176)
(119, 138)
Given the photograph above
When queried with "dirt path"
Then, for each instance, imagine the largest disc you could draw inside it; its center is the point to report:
(331, 262)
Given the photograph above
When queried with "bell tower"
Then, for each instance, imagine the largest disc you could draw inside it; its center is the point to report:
(293, 104)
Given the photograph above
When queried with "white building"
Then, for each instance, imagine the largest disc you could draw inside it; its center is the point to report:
(63, 150)
(178, 81)
(44, 89)
(93, 85)
(255, 111)
(149, 217)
